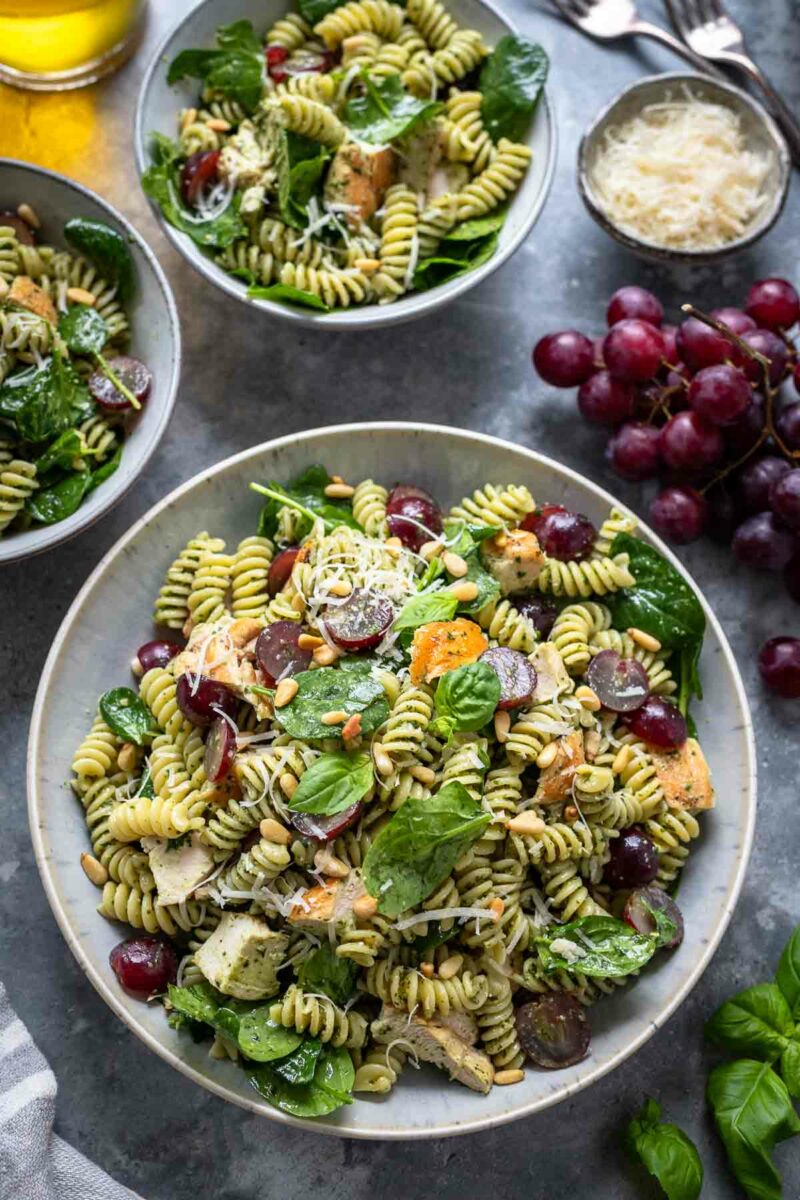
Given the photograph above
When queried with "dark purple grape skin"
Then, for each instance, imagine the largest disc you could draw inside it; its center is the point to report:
(788, 425)
(633, 350)
(157, 654)
(201, 700)
(553, 1031)
(761, 543)
(634, 302)
(605, 401)
(516, 674)
(784, 499)
(773, 303)
(688, 444)
(564, 535)
(324, 829)
(132, 373)
(278, 654)
(765, 342)
(280, 569)
(621, 684)
(541, 614)
(413, 515)
(756, 480)
(736, 320)
(670, 335)
(633, 451)
(564, 359)
(23, 232)
(633, 861)
(720, 395)
(700, 345)
(779, 664)
(220, 750)
(791, 577)
(637, 913)
(680, 514)
(659, 723)
(360, 622)
(744, 433)
(144, 965)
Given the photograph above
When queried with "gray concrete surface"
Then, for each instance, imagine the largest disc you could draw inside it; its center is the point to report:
(245, 380)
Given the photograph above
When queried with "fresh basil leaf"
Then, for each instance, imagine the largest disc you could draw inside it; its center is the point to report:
(299, 1067)
(61, 453)
(386, 111)
(332, 783)
(666, 1152)
(453, 259)
(436, 936)
(127, 714)
(424, 608)
(199, 1002)
(262, 1040)
(790, 1068)
(330, 1087)
(488, 587)
(665, 927)
(757, 1022)
(330, 689)
(51, 504)
(105, 470)
(161, 182)
(308, 504)
(511, 82)
(236, 69)
(604, 947)
(470, 231)
(83, 329)
(466, 698)
(107, 249)
(323, 971)
(420, 845)
(299, 164)
(228, 1019)
(284, 293)
(787, 976)
(146, 785)
(753, 1112)
(434, 569)
(46, 400)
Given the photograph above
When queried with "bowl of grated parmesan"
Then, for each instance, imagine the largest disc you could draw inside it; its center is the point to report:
(684, 168)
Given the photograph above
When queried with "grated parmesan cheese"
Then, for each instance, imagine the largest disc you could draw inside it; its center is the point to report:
(680, 174)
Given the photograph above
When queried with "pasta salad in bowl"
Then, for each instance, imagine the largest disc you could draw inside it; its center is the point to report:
(349, 160)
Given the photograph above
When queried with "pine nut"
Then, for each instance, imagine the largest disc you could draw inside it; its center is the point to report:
(451, 966)
(29, 216)
(365, 907)
(324, 656)
(188, 117)
(454, 564)
(464, 592)
(393, 546)
(623, 757)
(527, 823)
(310, 641)
(218, 124)
(571, 814)
(273, 831)
(136, 667)
(500, 541)
(336, 716)
(126, 759)
(94, 870)
(368, 265)
(591, 744)
(288, 784)
(339, 587)
(502, 725)
(286, 690)
(382, 761)
(510, 1075)
(336, 479)
(588, 699)
(547, 756)
(497, 907)
(79, 295)
(645, 640)
(339, 491)
(429, 550)
(426, 969)
(298, 603)
(425, 775)
(329, 864)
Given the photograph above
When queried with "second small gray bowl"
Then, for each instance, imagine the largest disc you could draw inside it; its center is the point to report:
(760, 130)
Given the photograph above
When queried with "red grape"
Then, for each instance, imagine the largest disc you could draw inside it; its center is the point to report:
(699, 345)
(633, 860)
(597, 352)
(553, 1031)
(132, 373)
(639, 908)
(689, 444)
(679, 514)
(796, 376)
(720, 394)
(564, 359)
(516, 674)
(744, 433)
(784, 498)
(761, 543)
(735, 319)
(200, 172)
(755, 481)
(788, 425)
(670, 334)
(765, 342)
(220, 749)
(359, 622)
(779, 664)
(278, 653)
(563, 535)
(621, 684)
(773, 304)
(201, 700)
(144, 965)
(413, 515)
(605, 401)
(541, 613)
(634, 451)
(324, 829)
(633, 350)
(658, 722)
(275, 55)
(280, 569)
(157, 654)
(634, 302)
(791, 577)
(23, 232)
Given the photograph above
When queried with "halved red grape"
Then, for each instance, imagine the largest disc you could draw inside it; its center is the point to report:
(541, 613)
(720, 394)
(700, 345)
(633, 451)
(658, 722)
(22, 230)
(788, 424)
(517, 676)
(679, 514)
(621, 684)
(278, 653)
(791, 577)
(564, 359)
(220, 749)
(639, 909)
(773, 303)
(132, 373)
(201, 699)
(605, 401)
(200, 172)
(157, 654)
(633, 860)
(413, 515)
(736, 320)
(144, 965)
(765, 342)
(633, 350)
(689, 444)
(561, 534)
(760, 542)
(360, 622)
(280, 569)
(325, 829)
(779, 664)
(553, 1031)
(275, 55)
(634, 302)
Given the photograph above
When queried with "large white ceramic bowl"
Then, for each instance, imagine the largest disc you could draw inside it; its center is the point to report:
(155, 339)
(111, 617)
(157, 110)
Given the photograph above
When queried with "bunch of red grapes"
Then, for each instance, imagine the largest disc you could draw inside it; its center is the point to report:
(697, 406)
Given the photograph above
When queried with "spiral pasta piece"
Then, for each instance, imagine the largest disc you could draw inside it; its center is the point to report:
(360, 49)
(308, 117)
(653, 661)
(123, 903)
(506, 626)
(433, 21)
(9, 254)
(209, 588)
(464, 112)
(466, 762)
(407, 723)
(99, 437)
(407, 989)
(498, 1029)
(671, 832)
(152, 817)
(533, 729)
(17, 483)
(336, 288)
(357, 16)
(159, 691)
(369, 507)
(399, 241)
(319, 1017)
(261, 863)
(569, 895)
(590, 577)
(378, 1069)
(462, 54)
(290, 32)
(249, 590)
(172, 603)
(496, 182)
(96, 756)
(617, 521)
(573, 630)
(495, 505)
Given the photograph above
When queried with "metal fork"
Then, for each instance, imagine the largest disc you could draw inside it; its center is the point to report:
(708, 30)
(609, 19)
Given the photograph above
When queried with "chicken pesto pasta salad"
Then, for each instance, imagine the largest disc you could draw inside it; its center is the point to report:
(66, 390)
(355, 153)
(399, 785)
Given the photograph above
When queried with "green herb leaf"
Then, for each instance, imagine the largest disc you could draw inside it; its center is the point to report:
(453, 259)
(667, 1153)
(330, 689)
(466, 698)
(306, 496)
(323, 971)
(128, 715)
(51, 504)
(753, 1112)
(107, 249)
(146, 784)
(44, 401)
(330, 1087)
(299, 163)
(424, 608)
(262, 1039)
(83, 329)
(236, 69)
(787, 976)
(161, 182)
(420, 845)
(61, 454)
(199, 1002)
(790, 1068)
(436, 936)
(332, 783)
(105, 470)
(299, 1067)
(511, 82)
(470, 231)
(757, 1022)
(385, 110)
(605, 947)
(284, 293)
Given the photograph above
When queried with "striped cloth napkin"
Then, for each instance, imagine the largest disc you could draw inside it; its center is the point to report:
(35, 1163)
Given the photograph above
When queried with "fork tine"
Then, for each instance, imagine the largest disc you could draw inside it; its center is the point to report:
(706, 11)
(571, 10)
(679, 16)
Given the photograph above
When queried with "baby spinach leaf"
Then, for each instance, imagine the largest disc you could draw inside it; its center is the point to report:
(420, 845)
(385, 110)
(261, 1039)
(332, 783)
(128, 715)
(436, 936)
(466, 699)
(453, 259)
(146, 784)
(511, 83)
(284, 293)
(469, 231)
(83, 329)
(199, 1002)
(161, 183)
(604, 947)
(330, 1087)
(323, 971)
(312, 504)
(300, 1065)
(757, 1022)
(105, 470)
(107, 249)
(61, 453)
(236, 69)
(667, 1153)
(329, 689)
(487, 585)
(424, 608)
(51, 504)
(753, 1112)
(787, 976)
(299, 163)
(44, 401)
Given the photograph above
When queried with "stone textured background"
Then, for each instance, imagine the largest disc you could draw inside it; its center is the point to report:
(245, 380)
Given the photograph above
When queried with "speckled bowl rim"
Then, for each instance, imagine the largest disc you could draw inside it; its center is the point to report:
(127, 473)
(652, 250)
(464, 439)
(356, 318)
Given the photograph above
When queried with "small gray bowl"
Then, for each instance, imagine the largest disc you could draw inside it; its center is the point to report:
(155, 339)
(762, 134)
